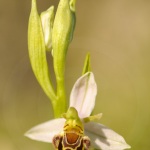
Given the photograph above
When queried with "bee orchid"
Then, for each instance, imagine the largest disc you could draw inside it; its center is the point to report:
(77, 130)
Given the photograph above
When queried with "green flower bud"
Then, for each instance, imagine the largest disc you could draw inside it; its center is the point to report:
(62, 34)
(37, 52)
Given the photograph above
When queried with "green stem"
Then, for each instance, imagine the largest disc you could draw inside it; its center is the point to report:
(60, 104)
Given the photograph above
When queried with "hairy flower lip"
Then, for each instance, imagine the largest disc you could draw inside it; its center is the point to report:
(74, 133)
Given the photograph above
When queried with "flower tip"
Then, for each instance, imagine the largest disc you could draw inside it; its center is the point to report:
(51, 8)
(28, 134)
(33, 3)
(72, 5)
(99, 116)
(128, 146)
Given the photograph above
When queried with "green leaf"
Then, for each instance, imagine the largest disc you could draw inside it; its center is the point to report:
(37, 52)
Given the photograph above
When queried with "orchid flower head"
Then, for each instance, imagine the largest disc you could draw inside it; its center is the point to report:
(77, 124)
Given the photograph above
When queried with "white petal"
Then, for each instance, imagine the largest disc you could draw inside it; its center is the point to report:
(83, 95)
(104, 138)
(47, 19)
(45, 132)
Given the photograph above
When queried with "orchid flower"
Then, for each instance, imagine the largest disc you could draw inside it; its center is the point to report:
(82, 102)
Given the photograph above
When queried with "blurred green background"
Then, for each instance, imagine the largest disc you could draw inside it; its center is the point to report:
(116, 33)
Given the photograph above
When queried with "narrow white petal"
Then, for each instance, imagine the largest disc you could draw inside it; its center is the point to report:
(104, 138)
(83, 95)
(45, 132)
(47, 19)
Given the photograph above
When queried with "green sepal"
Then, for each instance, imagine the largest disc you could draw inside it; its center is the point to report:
(37, 52)
(87, 64)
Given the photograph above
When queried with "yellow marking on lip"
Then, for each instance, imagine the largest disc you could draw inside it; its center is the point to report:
(79, 127)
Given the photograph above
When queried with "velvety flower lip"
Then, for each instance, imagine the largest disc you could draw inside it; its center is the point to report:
(82, 98)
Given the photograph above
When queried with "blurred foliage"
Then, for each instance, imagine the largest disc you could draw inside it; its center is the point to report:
(116, 33)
